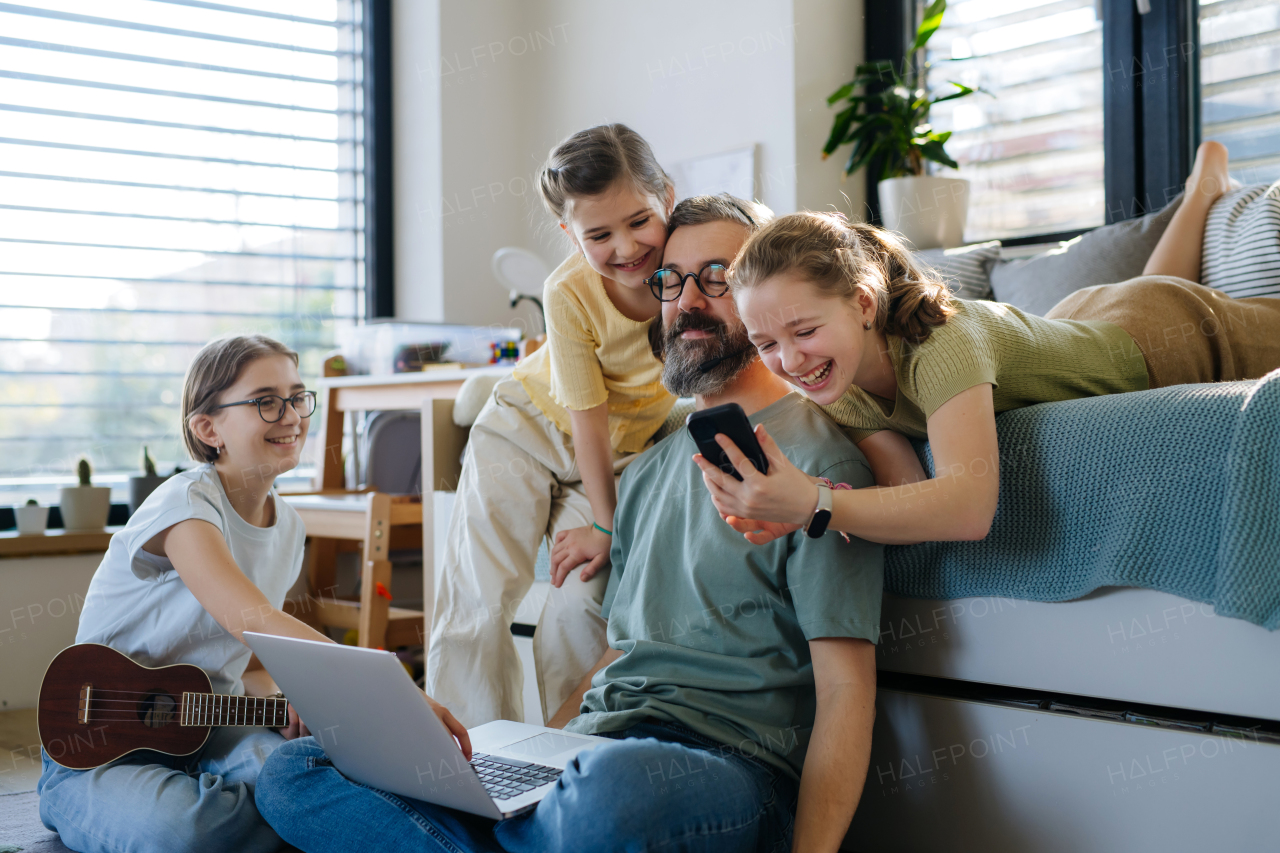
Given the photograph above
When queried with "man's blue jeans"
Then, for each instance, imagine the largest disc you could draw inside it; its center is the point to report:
(660, 787)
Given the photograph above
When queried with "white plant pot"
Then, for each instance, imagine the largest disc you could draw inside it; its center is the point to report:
(929, 211)
(32, 520)
(85, 507)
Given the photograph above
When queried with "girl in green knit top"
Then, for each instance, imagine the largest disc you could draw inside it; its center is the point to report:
(841, 310)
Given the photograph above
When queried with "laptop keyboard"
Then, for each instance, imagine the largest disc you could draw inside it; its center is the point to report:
(505, 778)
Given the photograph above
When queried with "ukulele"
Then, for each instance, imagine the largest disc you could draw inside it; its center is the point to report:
(97, 705)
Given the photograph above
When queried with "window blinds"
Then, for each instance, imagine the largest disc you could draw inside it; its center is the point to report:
(1240, 84)
(170, 171)
(1033, 153)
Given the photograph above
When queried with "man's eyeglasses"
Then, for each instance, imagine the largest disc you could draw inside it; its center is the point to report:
(667, 285)
(271, 407)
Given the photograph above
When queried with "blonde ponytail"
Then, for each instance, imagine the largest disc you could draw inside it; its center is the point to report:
(840, 258)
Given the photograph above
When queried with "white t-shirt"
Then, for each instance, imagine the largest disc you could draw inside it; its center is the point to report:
(138, 605)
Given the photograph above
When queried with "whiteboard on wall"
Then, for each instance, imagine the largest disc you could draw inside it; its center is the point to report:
(729, 172)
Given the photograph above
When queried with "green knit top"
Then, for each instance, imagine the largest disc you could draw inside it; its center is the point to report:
(1026, 358)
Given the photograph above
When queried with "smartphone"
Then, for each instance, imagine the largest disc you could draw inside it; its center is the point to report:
(729, 420)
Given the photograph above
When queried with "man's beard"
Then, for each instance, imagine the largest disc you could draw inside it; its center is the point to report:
(703, 365)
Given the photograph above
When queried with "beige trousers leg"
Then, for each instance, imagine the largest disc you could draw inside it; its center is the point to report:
(1188, 333)
(519, 483)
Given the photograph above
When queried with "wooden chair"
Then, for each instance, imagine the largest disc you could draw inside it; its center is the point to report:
(374, 523)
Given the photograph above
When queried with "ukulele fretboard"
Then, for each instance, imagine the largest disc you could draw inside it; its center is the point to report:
(216, 709)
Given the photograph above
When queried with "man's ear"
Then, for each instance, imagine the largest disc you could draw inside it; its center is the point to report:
(203, 428)
(656, 341)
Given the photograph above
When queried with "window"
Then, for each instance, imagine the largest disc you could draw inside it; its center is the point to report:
(1240, 84)
(1033, 153)
(170, 171)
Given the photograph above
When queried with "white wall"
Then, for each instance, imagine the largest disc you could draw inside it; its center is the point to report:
(501, 81)
(829, 45)
(43, 597)
(418, 165)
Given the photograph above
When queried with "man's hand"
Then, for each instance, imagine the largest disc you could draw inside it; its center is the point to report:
(760, 532)
(457, 729)
(784, 496)
(296, 727)
(574, 547)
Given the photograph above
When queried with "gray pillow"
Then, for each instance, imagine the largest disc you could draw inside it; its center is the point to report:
(966, 269)
(1105, 255)
(1242, 243)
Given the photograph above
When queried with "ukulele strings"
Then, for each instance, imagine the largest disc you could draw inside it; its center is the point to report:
(128, 715)
(97, 690)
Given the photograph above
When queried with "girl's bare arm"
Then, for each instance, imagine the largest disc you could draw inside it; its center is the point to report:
(892, 459)
(200, 556)
(959, 503)
(594, 454)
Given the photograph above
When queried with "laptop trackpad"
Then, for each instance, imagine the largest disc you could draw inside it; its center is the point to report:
(548, 748)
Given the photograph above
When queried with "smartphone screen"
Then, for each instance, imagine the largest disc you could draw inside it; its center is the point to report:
(729, 420)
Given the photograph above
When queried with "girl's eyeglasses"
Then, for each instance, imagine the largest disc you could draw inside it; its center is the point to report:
(271, 407)
(667, 285)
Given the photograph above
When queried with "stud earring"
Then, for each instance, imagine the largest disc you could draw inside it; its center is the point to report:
(867, 325)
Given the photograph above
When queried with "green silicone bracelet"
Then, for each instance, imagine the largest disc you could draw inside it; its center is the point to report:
(601, 529)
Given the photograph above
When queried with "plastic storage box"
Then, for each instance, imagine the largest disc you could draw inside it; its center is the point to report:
(373, 347)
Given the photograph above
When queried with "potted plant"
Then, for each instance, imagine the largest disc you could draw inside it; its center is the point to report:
(32, 518)
(140, 488)
(86, 506)
(887, 117)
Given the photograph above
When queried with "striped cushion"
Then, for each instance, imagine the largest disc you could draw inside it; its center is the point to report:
(1242, 243)
(966, 269)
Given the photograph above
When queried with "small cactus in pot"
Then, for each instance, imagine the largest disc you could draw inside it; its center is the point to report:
(140, 488)
(31, 517)
(86, 506)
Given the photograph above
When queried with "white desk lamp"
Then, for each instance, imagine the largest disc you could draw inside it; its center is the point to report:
(523, 273)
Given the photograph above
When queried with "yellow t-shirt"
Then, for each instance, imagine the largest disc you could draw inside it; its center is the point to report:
(1026, 358)
(594, 354)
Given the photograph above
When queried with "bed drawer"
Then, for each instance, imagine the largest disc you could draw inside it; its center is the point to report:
(967, 776)
(1132, 645)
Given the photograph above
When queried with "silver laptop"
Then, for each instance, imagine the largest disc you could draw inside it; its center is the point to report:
(377, 729)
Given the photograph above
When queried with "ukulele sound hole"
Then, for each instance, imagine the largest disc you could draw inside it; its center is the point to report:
(157, 710)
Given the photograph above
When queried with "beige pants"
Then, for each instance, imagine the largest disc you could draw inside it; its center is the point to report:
(1187, 333)
(519, 483)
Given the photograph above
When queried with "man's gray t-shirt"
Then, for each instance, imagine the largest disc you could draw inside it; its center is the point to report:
(714, 630)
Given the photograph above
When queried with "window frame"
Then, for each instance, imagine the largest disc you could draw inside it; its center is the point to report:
(379, 234)
(1151, 100)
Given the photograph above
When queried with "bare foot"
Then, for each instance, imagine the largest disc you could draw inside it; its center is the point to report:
(1209, 178)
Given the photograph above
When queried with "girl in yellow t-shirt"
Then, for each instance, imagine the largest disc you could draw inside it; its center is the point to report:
(545, 452)
(842, 311)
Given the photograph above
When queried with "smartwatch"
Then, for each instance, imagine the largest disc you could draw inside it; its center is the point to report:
(822, 515)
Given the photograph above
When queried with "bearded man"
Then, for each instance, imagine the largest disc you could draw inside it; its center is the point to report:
(739, 681)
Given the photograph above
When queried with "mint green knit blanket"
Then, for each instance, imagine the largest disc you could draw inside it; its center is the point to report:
(1175, 489)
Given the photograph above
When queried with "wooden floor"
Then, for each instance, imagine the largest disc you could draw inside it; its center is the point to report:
(19, 751)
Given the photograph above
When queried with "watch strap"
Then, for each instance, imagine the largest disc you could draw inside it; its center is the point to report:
(821, 514)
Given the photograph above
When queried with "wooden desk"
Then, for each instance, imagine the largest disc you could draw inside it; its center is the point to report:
(432, 393)
(396, 392)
